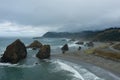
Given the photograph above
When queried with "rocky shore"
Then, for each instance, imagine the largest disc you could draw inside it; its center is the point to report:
(99, 54)
(79, 56)
(106, 60)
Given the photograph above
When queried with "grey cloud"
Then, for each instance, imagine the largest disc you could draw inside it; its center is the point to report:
(67, 15)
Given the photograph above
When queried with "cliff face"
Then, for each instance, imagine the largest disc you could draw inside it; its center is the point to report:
(111, 34)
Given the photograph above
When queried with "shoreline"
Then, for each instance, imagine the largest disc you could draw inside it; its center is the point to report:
(106, 64)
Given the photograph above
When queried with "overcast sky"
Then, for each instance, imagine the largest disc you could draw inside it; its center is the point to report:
(35, 17)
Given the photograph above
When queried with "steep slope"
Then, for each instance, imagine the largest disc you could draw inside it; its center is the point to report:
(112, 34)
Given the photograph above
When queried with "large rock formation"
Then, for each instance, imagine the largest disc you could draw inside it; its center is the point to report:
(64, 48)
(14, 52)
(34, 45)
(44, 52)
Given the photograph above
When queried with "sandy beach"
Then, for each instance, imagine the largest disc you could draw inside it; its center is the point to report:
(79, 57)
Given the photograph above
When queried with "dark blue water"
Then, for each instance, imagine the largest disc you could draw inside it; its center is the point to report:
(49, 69)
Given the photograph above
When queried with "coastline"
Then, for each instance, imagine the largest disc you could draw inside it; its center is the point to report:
(88, 59)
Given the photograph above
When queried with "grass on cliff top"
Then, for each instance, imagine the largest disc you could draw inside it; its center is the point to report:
(89, 51)
(92, 50)
(103, 53)
(107, 54)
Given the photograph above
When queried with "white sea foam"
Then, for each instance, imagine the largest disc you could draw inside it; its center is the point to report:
(2, 49)
(29, 49)
(47, 60)
(72, 45)
(70, 69)
(79, 71)
(18, 65)
(87, 75)
(25, 66)
(67, 39)
(59, 46)
(7, 64)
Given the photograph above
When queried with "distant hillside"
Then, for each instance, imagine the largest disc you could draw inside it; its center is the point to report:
(84, 34)
(111, 34)
(57, 34)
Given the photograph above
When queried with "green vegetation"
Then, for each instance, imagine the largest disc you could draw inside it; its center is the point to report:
(89, 51)
(111, 34)
(107, 54)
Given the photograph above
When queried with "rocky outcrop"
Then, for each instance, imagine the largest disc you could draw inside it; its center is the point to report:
(79, 48)
(79, 43)
(64, 48)
(90, 44)
(34, 45)
(44, 52)
(14, 52)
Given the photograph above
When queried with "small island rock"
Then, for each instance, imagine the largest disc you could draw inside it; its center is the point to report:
(14, 52)
(65, 48)
(44, 52)
(34, 45)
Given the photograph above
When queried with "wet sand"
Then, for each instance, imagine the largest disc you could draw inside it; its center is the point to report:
(79, 57)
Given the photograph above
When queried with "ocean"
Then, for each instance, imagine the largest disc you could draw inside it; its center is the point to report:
(48, 69)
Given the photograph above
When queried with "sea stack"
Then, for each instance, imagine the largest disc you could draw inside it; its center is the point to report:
(34, 45)
(64, 48)
(44, 52)
(14, 52)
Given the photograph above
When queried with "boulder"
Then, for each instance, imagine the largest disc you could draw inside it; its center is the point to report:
(65, 48)
(90, 44)
(79, 43)
(14, 52)
(34, 45)
(79, 48)
(44, 52)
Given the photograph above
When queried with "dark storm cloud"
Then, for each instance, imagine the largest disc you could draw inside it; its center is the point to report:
(63, 15)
